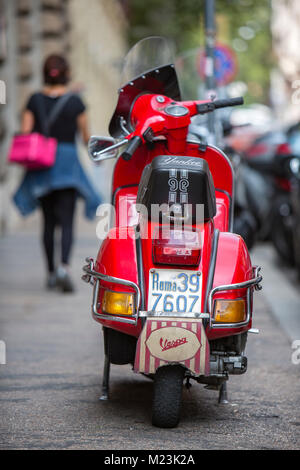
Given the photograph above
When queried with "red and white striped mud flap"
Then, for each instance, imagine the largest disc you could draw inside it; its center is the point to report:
(168, 340)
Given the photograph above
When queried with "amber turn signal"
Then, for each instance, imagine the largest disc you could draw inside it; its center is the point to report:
(230, 311)
(117, 303)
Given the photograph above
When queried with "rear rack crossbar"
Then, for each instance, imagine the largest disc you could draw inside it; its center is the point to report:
(93, 277)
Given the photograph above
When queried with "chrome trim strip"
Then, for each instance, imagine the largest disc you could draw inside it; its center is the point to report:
(233, 180)
(140, 271)
(231, 215)
(212, 267)
(150, 313)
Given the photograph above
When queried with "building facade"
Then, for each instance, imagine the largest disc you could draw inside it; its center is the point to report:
(286, 40)
(91, 35)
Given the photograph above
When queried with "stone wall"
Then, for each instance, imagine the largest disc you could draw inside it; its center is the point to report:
(96, 62)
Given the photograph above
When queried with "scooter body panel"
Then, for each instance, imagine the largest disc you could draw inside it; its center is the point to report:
(117, 258)
(115, 253)
(233, 266)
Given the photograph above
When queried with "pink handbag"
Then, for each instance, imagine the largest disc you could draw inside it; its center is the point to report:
(37, 151)
(34, 151)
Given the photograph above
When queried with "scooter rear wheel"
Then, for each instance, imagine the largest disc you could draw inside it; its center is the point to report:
(167, 397)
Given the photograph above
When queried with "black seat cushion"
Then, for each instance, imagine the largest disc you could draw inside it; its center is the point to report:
(176, 181)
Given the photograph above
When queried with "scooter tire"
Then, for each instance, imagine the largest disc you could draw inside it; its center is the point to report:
(167, 397)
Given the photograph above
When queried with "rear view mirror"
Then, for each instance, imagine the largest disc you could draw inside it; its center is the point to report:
(102, 148)
(295, 166)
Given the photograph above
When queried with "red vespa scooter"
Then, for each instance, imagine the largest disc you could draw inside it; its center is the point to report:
(173, 286)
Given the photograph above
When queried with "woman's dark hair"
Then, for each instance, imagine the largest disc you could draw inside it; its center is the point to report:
(56, 70)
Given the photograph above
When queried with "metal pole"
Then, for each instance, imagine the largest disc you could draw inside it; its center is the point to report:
(210, 34)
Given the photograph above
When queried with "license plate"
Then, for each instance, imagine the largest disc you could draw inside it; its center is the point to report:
(174, 291)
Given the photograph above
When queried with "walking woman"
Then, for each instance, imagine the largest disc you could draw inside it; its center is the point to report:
(56, 189)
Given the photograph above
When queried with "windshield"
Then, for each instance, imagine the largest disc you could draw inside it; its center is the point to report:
(148, 54)
(189, 71)
(148, 68)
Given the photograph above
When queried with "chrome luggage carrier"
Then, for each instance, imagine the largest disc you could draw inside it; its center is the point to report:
(250, 285)
(93, 277)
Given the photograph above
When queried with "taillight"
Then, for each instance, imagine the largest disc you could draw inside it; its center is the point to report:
(284, 149)
(176, 247)
(284, 183)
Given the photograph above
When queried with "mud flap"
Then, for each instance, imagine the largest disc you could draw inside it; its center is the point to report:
(175, 340)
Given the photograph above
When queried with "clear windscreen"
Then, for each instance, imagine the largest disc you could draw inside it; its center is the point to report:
(148, 54)
(189, 69)
(148, 68)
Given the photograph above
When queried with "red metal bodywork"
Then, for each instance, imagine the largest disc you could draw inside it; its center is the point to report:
(117, 255)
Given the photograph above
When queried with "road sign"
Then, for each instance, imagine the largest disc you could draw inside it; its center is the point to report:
(225, 64)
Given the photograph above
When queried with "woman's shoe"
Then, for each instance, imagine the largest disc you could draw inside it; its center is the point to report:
(51, 281)
(64, 281)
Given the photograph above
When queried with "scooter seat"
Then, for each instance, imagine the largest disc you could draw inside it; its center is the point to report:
(176, 181)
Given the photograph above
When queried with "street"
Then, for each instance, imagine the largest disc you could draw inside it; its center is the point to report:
(51, 384)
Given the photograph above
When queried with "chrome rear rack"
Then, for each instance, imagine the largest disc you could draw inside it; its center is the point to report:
(250, 285)
(93, 277)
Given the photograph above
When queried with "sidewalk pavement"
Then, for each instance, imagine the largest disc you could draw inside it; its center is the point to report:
(281, 289)
(50, 386)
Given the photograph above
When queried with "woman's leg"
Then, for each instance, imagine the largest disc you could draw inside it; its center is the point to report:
(48, 204)
(65, 209)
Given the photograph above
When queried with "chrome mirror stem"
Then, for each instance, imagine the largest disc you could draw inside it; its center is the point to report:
(106, 153)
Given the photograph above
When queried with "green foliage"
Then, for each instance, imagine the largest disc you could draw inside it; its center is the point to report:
(178, 20)
(182, 21)
(256, 61)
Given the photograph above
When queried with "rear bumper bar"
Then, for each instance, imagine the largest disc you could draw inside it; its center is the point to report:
(93, 277)
(250, 285)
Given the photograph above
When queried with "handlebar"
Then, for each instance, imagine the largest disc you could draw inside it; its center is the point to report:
(201, 108)
(205, 108)
(133, 145)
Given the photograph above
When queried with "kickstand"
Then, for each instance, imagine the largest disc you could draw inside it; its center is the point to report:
(188, 385)
(223, 400)
(105, 381)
